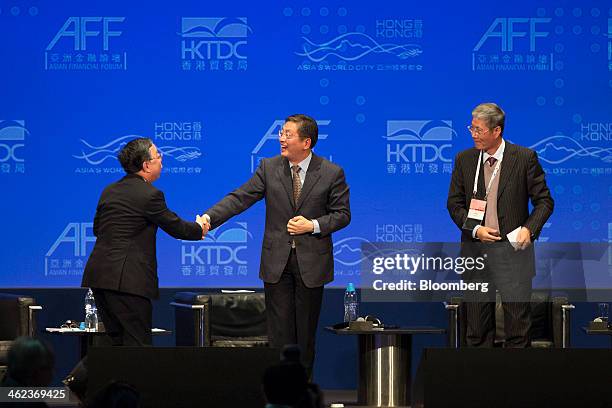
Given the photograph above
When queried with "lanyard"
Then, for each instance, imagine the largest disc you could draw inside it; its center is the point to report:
(490, 181)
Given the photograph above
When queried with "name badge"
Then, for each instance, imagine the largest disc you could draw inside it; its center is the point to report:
(477, 209)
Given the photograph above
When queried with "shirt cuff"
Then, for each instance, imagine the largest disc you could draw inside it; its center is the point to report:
(207, 218)
(473, 231)
(316, 228)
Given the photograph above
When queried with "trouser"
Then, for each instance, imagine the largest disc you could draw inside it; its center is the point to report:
(507, 271)
(127, 318)
(292, 311)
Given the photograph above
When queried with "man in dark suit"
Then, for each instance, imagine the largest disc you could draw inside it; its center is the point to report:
(122, 268)
(493, 215)
(307, 199)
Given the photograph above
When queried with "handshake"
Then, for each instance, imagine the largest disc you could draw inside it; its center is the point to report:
(204, 222)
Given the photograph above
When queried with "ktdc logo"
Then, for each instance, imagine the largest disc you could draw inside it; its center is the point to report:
(214, 43)
(419, 146)
(221, 253)
(12, 142)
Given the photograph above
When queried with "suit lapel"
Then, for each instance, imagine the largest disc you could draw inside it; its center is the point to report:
(507, 167)
(312, 176)
(284, 175)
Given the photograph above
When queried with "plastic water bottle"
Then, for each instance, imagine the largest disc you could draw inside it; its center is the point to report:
(91, 312)
(351, 304)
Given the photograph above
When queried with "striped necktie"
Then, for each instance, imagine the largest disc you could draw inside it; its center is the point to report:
(297, 183)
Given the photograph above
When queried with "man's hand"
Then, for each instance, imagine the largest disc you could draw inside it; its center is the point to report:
(300, 225)
(203, 222)
(487, 234)
(523, 238)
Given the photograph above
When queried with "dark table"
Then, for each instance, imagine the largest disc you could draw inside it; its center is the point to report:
(604, 332)
(384, 363)
(86, 338)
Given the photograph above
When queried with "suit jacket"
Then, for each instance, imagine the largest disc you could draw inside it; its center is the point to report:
(324, 197)
(521, 179)
(124, 256)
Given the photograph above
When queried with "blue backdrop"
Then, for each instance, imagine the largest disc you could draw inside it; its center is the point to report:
(391, 86)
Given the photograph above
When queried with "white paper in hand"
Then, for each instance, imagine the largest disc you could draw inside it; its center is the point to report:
(513, 237)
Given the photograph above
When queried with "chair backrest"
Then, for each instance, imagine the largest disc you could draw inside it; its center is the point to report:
(16, 319)
(221, 319)
(15, 313)
(546, 320)
(238, 315)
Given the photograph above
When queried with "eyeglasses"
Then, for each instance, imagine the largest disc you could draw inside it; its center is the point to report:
(476, 130)
(159, 156)
(286, 135)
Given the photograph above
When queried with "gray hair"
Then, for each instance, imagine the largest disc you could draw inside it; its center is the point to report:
(491, 114)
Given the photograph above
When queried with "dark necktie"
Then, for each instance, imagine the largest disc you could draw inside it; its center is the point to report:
(297, 184)
(491, 160)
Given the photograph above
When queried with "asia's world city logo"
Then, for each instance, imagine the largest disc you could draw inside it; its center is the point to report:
(268, 145)
(419, 146)
(587, 151)
(178, 141)
(514, 44)
(221, 253)
(387, 44)
(68, 254)
(12, 142)
(87, 44)
(348, 255)
(214, 43)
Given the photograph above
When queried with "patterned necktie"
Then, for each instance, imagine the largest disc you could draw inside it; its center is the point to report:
(491, 160)
(297, 184)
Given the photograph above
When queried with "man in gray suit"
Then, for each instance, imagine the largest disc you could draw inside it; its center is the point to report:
(307, 199)
(488, 199)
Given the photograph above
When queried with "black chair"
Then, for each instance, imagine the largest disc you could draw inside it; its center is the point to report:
(550, 321)
(220, 319)
(17, 318)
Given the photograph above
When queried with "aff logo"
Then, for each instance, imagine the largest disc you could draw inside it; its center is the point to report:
(80, 30)
(12, 138)
(67, 254)
(76, 235)
(222, 246)
(272, 135)
(419, 141)
(214, 38)
(509, 31)
(86, 44)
